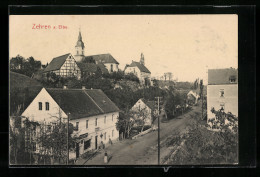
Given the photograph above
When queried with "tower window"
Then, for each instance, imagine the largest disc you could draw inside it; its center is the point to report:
(96, 122)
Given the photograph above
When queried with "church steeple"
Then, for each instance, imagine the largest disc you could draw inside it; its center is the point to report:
(79, 48)
(142, 59)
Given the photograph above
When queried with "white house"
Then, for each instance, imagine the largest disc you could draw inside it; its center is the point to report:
(139, 69)
(222, 91)
(64, 66)
(193, 97)
(147, 108)
(92, 113)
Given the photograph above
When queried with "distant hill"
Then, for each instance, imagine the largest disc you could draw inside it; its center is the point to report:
(22, 91)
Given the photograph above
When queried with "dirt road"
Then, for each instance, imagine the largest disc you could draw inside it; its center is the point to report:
(143, 150)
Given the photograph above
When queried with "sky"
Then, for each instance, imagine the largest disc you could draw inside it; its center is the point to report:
(186, 45)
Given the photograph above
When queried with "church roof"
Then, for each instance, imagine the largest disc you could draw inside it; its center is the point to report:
(56, 63)
(82, 103)
(141, 67)
(92, 67)
(104, 58)
(222, 76)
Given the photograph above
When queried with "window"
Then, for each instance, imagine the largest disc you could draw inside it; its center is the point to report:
(87, 144)
(111, 67)
(77, 126)
(47, 106)
(105, 119)
(40, 105)
(222, 106)
(112, 133)
(112, 117)
(86, 123)
(96, 122)
(105, 135)
(221, 92)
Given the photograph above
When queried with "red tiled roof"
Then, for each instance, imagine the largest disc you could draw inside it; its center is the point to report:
(222, 76)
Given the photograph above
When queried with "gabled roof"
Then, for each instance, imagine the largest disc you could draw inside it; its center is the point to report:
(56, 63)
(92, 67)
(150, 104)
(87, 67)
(141, 67)
(82, 103)
(222, 76)
(104, 58)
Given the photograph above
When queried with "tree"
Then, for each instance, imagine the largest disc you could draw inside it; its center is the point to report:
(125, 123)
(140, 116)
(17, 62)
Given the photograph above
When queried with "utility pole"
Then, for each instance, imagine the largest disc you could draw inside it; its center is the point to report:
(201, 91)
(158, 99)
(68, 139)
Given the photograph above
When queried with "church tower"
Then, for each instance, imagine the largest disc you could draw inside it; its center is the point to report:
(79, 48)
(142, 59)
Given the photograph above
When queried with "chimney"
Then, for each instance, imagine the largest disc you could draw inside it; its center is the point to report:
(83, 87)
(65, 87)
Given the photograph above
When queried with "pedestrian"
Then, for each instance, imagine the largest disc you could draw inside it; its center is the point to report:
(105, 157)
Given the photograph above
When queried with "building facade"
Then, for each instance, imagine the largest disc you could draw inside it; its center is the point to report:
(222, 91)
(64, 66)
(146, 108)
(91, 112)
(139, 69)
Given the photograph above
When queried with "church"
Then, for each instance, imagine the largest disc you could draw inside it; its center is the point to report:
(107, 59)
(77, 64)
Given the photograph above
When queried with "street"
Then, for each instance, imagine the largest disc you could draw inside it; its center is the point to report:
(143, 150)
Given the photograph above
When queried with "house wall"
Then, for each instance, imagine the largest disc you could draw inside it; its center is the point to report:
(103, 127)
(139, 105)
(70, 68)
(114, 66)
(230, 99)
(33, 113)
(141, 75)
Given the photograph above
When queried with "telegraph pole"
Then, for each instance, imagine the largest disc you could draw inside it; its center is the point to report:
(68, 139)
(158, 99)
(201, 90)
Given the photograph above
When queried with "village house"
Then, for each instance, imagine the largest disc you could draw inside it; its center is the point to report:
(139, 69)
(192, 97)
(91, 112)
(222, 91)
(64, 66)
(146, 110)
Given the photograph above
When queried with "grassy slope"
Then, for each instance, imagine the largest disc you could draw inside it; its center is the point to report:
(22, 91)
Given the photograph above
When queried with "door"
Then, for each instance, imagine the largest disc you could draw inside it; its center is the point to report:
(96, 142)
(77, 150)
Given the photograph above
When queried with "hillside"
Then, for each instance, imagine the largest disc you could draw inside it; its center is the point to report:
(21, 81)
(22, 91)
